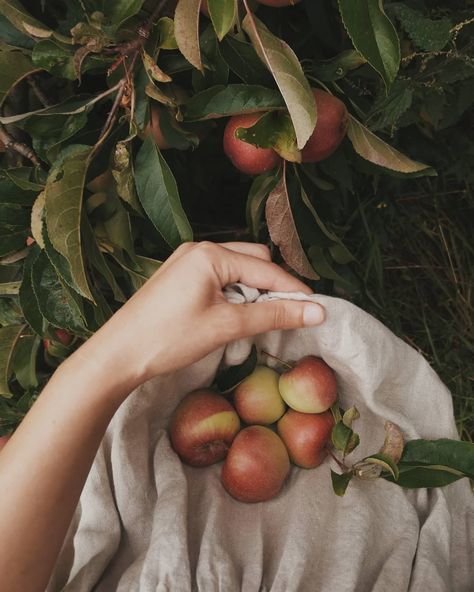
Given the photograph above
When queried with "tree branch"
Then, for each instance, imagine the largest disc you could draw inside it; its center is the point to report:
(22, 149)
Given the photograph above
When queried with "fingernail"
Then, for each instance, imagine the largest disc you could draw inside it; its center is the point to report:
(313, 314)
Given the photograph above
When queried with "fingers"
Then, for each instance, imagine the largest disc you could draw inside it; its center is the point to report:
(260, 317)
(253, 249)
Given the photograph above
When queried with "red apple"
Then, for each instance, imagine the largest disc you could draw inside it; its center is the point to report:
(63, 336)
(247, 158)
(257, 398)
(305, 436)
(331, 127)
(4, 440)
(278, 3)
(256, 466)
(309, 387)
(203, 427)
(205, 8)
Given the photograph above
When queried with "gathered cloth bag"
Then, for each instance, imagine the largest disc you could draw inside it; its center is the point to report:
(146, 522)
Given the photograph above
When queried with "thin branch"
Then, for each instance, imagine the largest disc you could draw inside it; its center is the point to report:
(40, 95)
(22, 149)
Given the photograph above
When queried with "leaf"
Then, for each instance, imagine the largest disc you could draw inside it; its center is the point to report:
(14, 216)
(452, 454)
(153, 70)
(233, 99)
(352, 414)
(12, 241)
(229, 378)
(24, 361)
(15, 64)
(63, 191)
(373, 35)
(258, 193)
(243, 60)
(344, 438)
(55, 300)
(414, 477)
(186, 31)
(388, 109)
(340, 482)
(286, 69)
(223, 13)
(381, 462)
(9, 288)
(8, 339)
(158, 194)
(338, 66)
(426, 34)
(375, 150)
(119, 11)
(283, 232)
(165, 30)
(393, 443)
(22, 20)
(37, 213)
(123, 174)
(27, 297)
(320, 263)
(26, 178)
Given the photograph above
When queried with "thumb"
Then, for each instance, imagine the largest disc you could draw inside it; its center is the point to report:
(260, 317)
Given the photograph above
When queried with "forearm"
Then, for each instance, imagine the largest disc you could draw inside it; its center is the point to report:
(45, 464)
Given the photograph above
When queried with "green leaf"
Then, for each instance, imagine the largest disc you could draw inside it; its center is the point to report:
(24, 361)
(22, 20)
(158, 194)
(387, 109)
(426, 33)
(15, 64)
(229, 378)
(64, 190)
(8, 339)
(340, 482)
(283, 232)
(119, 11)
(26, 178)
(124, 174)
(338, 66)
(28, 301)
(321, 264)
(414, 477)
(221, 101)
(56, 302)
(186, 31)
(14, 216)
(243, 60)
(344, 438)
(12, 240)
(288, 74)
(383, 461)
(165, 31)
(223, 13)
(373, 35)
(55, 58)
(10, 192)
(453, 454)
(375, 150)
(258, 193)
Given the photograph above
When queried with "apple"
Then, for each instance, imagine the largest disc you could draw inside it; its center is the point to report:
(257, 398)
(305, 436)
(205, 8)
(154, 128)
(310, 386)
(247, 158)
(331, 127)
(256, 466)
(203, 427)
(4, 440)
(61, 335)
(30, 241)
(278, 3)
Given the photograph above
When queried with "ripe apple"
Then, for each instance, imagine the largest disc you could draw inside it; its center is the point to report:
(278, 3)
(154, 128)
(309, 387)
(257, 398)
(256, 466)
(331, 127)
(30, 241)
(61, 335)
(4, 440)
(247, 158)
(305, 436)
(202, 428)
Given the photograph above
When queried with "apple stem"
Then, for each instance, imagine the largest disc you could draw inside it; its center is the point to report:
(334, 457)
(289, 366)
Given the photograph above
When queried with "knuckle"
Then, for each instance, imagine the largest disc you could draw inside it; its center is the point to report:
(206, 249)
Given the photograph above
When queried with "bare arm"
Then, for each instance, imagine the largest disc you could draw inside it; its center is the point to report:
(179, 316)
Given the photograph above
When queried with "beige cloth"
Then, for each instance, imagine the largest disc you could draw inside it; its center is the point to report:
(148, 523)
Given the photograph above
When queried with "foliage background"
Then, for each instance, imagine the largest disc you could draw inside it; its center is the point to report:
(105, 206)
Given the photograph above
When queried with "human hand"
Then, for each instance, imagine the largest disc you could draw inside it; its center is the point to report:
(180, 315)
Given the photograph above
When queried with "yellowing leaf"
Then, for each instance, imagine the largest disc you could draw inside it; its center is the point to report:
(37, 213)
(8, 338)
(375, 150)
(186, 30)
(288, 74)
(22, 20)
(153, 70)
(283, 232)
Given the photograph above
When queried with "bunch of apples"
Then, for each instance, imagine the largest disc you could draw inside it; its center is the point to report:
(286, 419)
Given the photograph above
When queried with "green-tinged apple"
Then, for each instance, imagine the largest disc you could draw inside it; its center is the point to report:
(305, 436)
(310, 386)
(256, 466)
(257, 398)
(203, 427)
(331, 127)
(244, 156)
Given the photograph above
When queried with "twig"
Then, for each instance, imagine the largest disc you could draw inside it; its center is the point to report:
(342, 466)
(19, 147)
(289, 366)
(41, 96)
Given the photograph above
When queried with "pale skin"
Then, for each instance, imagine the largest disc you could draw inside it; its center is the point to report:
(179, 316)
